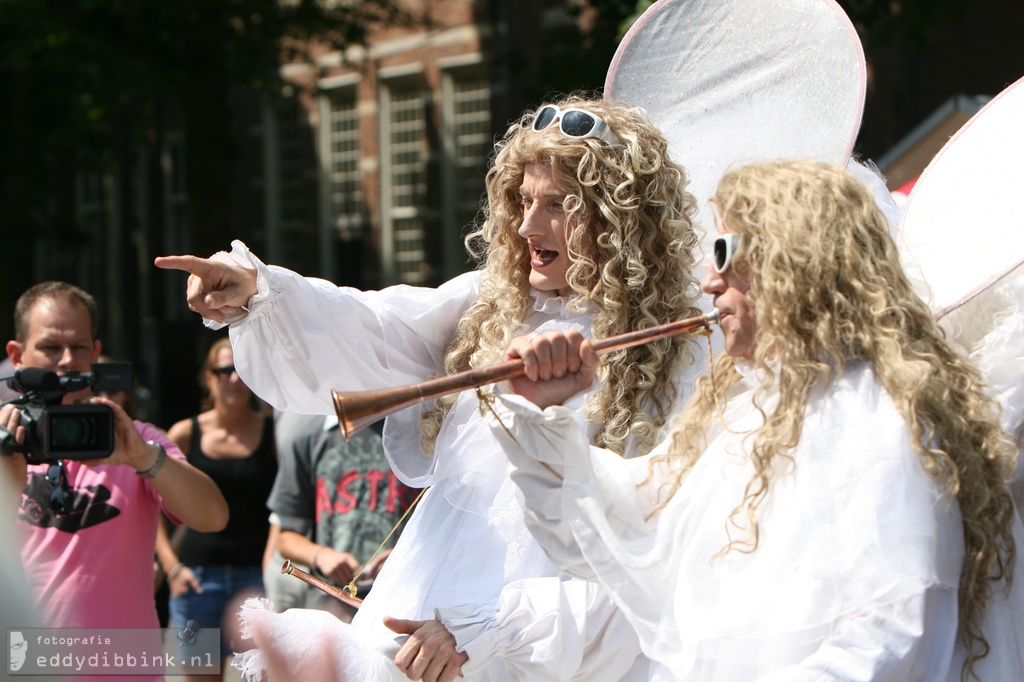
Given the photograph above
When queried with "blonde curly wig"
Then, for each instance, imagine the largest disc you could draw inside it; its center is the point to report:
(631, 244)
(828, 289)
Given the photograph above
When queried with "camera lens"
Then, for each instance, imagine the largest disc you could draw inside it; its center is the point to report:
(77, 431)
(73, 432)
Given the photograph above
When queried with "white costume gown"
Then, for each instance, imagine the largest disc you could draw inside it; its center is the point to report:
(856, 575)
(466, 539)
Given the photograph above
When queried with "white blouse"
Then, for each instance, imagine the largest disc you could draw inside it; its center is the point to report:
(857, 569)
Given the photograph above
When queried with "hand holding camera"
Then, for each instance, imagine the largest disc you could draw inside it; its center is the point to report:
(12, 468)
(52, 431)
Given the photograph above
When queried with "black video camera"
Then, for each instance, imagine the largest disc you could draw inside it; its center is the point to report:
(55, 431)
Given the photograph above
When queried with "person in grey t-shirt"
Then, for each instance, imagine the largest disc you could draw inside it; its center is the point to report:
(336, 502)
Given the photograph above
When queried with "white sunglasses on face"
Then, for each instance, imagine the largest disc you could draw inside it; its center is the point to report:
(725, 246)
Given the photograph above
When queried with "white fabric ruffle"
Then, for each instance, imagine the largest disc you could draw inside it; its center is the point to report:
(989, 328)
(571, 625)
(306, 644)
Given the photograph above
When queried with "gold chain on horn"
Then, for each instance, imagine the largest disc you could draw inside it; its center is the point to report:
(351, 589)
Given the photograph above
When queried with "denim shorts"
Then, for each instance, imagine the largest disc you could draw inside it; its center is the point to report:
(220, 585)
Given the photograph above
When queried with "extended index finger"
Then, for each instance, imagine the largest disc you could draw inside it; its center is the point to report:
(190, 264)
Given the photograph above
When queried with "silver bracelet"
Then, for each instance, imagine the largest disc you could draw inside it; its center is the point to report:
(152, 471)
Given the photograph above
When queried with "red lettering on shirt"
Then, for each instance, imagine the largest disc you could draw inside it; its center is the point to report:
(394, 493)
(323, 500)
(373, 477)
(346, 501)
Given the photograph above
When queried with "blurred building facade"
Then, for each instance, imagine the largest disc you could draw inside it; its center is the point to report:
(368, 167)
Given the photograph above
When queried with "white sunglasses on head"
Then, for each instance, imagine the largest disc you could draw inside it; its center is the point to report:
(726, 246)
(576, 123)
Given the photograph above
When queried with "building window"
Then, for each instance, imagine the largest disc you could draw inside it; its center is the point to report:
(468, 142)
(291, 214)
(345, 203)
(175, 235)
(172, 162)
(89, 203)
(406, 219)
(80, 256)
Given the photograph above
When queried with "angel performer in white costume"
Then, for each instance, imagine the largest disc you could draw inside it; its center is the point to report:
(831, 505)
(587, 228)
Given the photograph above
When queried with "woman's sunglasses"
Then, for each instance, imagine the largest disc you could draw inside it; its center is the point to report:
(575, 123)
(726, 246)
(223, 371)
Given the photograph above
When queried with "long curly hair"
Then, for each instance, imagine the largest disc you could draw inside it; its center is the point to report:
(828, 289)
(631, 244)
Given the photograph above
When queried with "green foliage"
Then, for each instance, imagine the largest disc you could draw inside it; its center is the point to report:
(639, 9)
(908, 23)
(73, 65)
(577, 53)
(87, 82)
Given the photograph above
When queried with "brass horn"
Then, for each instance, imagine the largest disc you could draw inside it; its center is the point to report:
(338, 593)
(357, 409)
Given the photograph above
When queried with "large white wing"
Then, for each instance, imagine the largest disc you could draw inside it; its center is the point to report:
(962, 238)
(730, 82)
(963, 225)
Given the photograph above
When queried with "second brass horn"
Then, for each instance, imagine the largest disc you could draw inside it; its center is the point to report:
(357, 409)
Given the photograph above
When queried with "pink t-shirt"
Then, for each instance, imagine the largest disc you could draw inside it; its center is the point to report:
(93, 568)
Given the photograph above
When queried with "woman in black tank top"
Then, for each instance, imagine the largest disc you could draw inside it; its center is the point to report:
(232, 442)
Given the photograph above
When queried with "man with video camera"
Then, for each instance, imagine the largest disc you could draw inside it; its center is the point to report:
(88, 519)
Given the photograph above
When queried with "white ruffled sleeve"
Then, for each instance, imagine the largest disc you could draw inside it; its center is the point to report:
(304, 336)
(555, 467)
(909, 639)
(546, 630)
(989, 328)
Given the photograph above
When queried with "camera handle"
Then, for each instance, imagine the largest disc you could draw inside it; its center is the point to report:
(8, 445)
